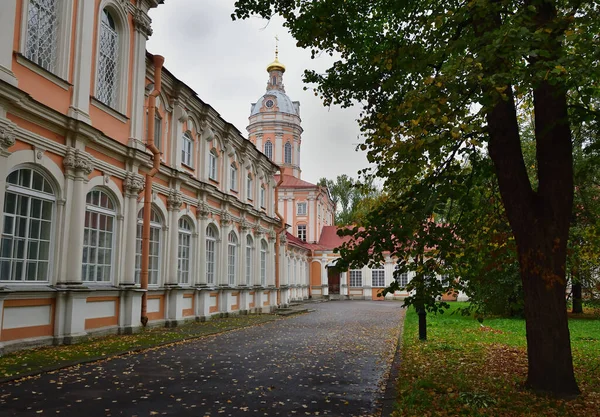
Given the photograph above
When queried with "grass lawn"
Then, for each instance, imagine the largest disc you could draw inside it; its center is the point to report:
(467, 369)
(26, 362)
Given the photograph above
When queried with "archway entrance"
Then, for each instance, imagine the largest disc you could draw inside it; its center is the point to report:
(333, 280)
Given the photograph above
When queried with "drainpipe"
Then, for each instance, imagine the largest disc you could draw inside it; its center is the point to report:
(277, 237)
(158, 64)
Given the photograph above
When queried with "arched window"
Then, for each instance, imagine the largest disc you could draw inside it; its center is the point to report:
(249, 184)
(269, 149)
(211, 252)
(232, 242)
(212, 164)
(249, 244)
(233, 180)
(108, 61)
(183, 251)
(42, 33)
(287, 153)
(155, 243)
(187, 149)
(27, 227)
(263, 263)
(98, 237)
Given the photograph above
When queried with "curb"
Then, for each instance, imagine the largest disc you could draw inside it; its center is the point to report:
(65, 365)
(390, 394)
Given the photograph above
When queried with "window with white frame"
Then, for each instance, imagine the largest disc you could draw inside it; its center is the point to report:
(263, 263)
(301, 232)
(41, 44)
(184, 246)
(356, 278)
(154, 253)
(401, 278)
(249, 184)
(262, 196)
(108, 61)
(301, 208)
(232, 243)
(249, 245)
(211, 253)
(212, 164)
(269, 149)
(25, 247)
(287, 153)
(378, 277)
(233, 177)
(98, 237)
(187, 147)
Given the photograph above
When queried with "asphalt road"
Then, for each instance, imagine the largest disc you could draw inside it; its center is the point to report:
(330, 362)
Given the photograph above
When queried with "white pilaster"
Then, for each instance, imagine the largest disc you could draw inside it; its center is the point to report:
(7, 35)
(133, 185)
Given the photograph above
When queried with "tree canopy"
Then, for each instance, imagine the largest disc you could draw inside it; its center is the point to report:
(441, 84)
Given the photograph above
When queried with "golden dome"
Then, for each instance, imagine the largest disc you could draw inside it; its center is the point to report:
(276, 66)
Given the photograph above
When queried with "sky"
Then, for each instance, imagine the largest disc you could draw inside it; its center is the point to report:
(225, 62)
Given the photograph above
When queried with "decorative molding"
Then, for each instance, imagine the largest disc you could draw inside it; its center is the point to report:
(133, 184)
(225, 219)
(142, 23)
(174, 200)
(78, 161)
(7, 136)
(202, 209)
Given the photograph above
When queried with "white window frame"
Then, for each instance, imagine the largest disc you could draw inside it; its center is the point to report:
(187, 150)
(233, 177)
(213, 159)
(212, 236)
(249, 248)
(8, 230)
(184, 251)
(378, 277)
(262, 196)
(263, 263)
(156, 226)
(302, 208)
(99, 211)
(232, 244)
(249, 184)
(355, 276)
(301, 232)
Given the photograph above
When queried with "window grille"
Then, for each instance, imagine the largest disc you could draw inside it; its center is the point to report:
(302, 232)
(42, 33)
(187, 146)
(25, 247)
(212, 165)
(269, 150)
(108, 61)
(301, 209)
(287, 151)
(356, 278)
(262, 196)
(98, 237)
(183, 251)
(378, 277)
(233, 177)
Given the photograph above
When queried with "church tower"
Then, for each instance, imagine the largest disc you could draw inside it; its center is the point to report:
(275, 125)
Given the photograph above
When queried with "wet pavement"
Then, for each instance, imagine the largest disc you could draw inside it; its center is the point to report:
(330, 362)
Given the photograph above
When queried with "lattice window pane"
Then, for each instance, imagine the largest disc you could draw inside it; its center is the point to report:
(42, 33)
(108, 66)
(269, 150)
(287, 153)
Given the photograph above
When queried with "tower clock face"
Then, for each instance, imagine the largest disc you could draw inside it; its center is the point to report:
(269, 103)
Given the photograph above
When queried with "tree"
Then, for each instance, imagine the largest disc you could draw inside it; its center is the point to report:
(352, 198)
(439, 81)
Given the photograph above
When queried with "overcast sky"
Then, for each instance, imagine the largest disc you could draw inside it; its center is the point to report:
(225, 63)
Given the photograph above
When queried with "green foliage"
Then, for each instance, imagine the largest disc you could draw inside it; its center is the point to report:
(352, 198)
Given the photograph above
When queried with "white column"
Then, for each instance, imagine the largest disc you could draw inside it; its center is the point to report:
(278, 157)
(7, 139)
(142, 32)
(82, 80)
(7, 35)
(133, 185)
(201, 252)
(174, 201)
(78, 166)
(222, 278)
(311, 236)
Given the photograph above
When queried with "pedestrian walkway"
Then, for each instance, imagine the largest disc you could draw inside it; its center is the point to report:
(332, 361)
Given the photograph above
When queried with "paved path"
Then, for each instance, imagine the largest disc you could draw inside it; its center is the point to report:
(328, 362)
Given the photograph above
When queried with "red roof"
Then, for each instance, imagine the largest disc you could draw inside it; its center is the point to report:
(330, 239)
(290, 181)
